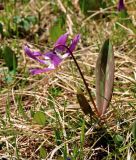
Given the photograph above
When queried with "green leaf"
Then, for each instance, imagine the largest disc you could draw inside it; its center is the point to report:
(84, 105)
(61, 19)
(9, 76)
(118, 139)
(25, 25)
(82, 137)
(124, 18)
(40, 118)
(123, 14)
(31, 19)
(87, 6)
(1, 55)
(1, 29)
(58, 137)
(55, 91)
(58, 27)
(43, 153)
(134, 130)
(104, 77)
(25, 1)
(17, 19)
(10, 58)
(55, 32)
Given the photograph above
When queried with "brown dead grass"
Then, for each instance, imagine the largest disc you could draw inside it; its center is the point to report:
(30, 136)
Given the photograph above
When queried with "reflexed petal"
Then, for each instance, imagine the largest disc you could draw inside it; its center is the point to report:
(61, 41)
(74, 43)
(37, 54)
(38, 71)
(30, 53)
(34, 55)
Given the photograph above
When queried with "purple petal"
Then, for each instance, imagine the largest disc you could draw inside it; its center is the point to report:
(34, 55)
(74, 43)
(54, 58)
(38, 71)
(121, 5)
(37, 54)
(61, 41)
(30, 53)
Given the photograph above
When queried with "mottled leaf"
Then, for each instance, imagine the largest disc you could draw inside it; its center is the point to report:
(84, 105)
(104, 77)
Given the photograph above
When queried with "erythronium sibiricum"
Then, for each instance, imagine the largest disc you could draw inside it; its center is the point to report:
(121, 5)
(52, 59)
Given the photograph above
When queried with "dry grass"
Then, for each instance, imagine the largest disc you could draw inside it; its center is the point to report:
(55, 93)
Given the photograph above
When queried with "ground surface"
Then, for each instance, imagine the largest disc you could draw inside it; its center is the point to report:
(40, 117)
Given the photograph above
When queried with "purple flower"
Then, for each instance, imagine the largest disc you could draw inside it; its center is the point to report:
(121, 5)
(52, 59)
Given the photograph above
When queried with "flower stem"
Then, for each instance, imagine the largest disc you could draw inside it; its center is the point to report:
(82, 76)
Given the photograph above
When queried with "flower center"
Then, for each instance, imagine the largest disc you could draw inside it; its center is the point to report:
(61, 52)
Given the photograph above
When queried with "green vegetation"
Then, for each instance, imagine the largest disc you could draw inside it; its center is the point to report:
(43, 116)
